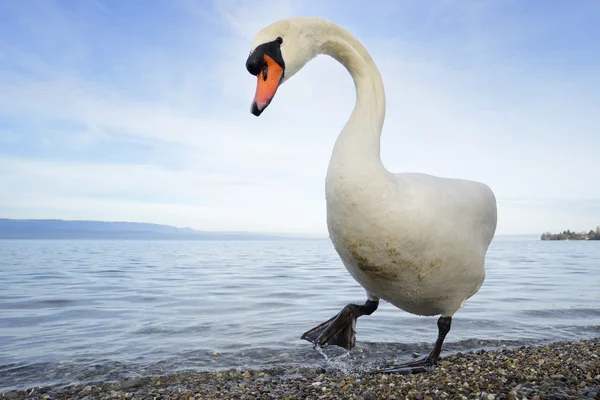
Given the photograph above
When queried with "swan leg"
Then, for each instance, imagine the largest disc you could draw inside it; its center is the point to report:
(428, 363)
(340, 329)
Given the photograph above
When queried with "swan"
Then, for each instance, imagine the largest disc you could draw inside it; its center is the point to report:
(414, 240)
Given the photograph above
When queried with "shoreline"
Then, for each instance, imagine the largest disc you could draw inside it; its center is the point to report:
(559, 370)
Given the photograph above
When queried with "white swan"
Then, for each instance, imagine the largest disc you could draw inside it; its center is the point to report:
(415, 240)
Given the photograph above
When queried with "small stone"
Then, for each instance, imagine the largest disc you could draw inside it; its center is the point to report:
(246, 374)
(560, 395)
(131, 383)
(517, 388)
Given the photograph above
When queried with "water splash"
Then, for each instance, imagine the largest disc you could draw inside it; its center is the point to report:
(321, 352)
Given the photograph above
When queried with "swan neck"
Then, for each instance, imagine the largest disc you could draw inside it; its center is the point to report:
(360, 138)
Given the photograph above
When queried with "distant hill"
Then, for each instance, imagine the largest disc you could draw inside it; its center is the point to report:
(62, 229)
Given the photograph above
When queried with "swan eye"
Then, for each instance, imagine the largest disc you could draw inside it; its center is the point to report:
(279, 40)
(265, 71)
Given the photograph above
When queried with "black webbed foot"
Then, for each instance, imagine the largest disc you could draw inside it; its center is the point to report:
(414, 367)
(340, 330)
(426, 364)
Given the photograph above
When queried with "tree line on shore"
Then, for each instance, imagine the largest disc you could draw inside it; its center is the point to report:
(569, 235)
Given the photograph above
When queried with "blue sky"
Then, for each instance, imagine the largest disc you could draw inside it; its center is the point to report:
(139, 110)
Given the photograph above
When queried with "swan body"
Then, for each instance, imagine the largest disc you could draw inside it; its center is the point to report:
(415, 240)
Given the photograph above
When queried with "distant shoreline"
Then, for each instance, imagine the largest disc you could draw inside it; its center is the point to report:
(569, 235)
(54, 229)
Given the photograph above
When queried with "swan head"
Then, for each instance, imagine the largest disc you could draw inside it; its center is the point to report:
(278, 52)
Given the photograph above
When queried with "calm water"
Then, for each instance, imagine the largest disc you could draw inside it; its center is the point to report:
(82, 311)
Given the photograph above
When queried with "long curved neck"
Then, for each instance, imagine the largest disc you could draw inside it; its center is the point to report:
(358, 145)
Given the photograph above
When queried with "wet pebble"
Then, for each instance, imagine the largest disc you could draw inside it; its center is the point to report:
(131, 383)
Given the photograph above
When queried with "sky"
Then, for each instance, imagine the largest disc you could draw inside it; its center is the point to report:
(140, 110)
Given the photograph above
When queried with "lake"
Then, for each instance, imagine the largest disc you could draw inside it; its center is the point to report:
(84, 311)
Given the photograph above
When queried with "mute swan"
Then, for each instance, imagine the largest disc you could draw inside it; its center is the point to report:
(415, 240)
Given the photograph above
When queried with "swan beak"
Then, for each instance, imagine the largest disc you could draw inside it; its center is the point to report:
(266, 86)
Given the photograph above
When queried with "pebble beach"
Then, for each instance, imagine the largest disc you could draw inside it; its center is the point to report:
(560, 370)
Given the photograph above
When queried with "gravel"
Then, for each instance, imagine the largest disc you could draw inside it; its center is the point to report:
(562, 370)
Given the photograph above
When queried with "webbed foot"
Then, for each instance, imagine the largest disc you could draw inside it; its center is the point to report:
(426, 364)
(340, 329)
(414, 367)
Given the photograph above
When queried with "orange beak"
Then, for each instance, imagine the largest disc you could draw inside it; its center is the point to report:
(266, 85)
